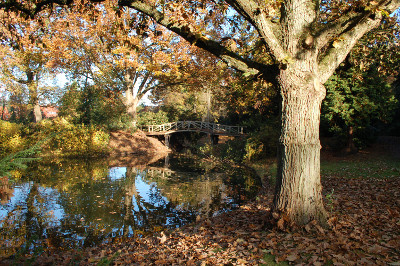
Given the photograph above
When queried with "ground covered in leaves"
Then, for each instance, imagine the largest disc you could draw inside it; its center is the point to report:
(364, 230)
(123, 145)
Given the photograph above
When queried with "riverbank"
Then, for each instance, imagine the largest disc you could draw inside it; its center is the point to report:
(360, 192)
(134, 149)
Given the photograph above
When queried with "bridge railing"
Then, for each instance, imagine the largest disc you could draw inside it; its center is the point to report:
(193, 126)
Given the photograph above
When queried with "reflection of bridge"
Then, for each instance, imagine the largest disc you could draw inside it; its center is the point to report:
(194, 126)
(157, 171)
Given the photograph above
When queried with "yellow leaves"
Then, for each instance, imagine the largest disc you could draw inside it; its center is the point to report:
(338, 42)
(10, 138)
(121, 50)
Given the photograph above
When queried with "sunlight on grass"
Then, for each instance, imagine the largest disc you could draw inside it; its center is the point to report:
(380, 168)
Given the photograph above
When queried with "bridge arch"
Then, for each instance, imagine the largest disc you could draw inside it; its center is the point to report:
(213, 129)
(192, 126)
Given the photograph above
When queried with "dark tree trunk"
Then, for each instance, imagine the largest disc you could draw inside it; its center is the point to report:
(350, 147)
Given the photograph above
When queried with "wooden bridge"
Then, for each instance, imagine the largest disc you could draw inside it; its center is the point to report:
(194, 126)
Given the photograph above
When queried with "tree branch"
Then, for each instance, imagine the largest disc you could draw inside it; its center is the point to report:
(143, 84)
(34, 9)
(332, 30)
(330, 60)
(252, 12)
(349, 19)
(230, 58)
(349, 33)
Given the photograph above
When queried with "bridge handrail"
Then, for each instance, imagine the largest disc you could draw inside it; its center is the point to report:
(193, 125)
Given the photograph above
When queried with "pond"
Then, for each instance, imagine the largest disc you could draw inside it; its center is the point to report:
(82, 203)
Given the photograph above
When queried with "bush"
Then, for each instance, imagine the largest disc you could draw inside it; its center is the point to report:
(262, 143)
(67, 139)
(10, 138)
(258, 145)
(233, 150)
(152, 118)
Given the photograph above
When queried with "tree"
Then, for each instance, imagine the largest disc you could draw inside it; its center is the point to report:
(123, 52)
(23, 59)
(355, 102)
(201, 94)
(359, 98)
(304, 42)
(26, 69)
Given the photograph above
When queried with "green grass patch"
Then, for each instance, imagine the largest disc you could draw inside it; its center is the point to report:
(267, 170)
(380, 168)
(269, 260)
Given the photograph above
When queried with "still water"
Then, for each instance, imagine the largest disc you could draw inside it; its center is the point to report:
(81, 203)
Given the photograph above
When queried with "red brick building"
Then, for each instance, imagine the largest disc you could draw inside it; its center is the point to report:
(48, 111)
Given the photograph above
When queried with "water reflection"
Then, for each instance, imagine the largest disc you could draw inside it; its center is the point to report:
(63, 204)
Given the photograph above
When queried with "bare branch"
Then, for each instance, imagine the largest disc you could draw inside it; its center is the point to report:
(142, 85)
(34, 9)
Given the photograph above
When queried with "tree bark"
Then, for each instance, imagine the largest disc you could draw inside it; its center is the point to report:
(131, 103)
(37, 113)
(298, 192)
(33, 95)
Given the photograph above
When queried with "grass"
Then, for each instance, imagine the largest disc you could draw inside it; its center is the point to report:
(355, 166)
(379, 167)
(269, 260)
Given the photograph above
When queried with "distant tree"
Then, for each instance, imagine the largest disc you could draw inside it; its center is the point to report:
(202, 93)
(355, 103)
(23, 58)
(394, 128)
(359, 96)
(91, 105)
(121, 51)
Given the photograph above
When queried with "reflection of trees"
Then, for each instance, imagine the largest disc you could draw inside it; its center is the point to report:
(6, 190)
(26, 223)
(203, 193)
(208, 188)
(92, 205)
(65, 175)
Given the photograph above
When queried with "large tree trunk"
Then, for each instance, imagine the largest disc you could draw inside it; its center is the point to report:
(131, 103)
(298, 188)
(33, 95)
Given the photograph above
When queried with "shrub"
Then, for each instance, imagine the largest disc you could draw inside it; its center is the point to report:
(262, 143)
(152, 118)
(67, 139)
(10, 138)
(233, 150)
